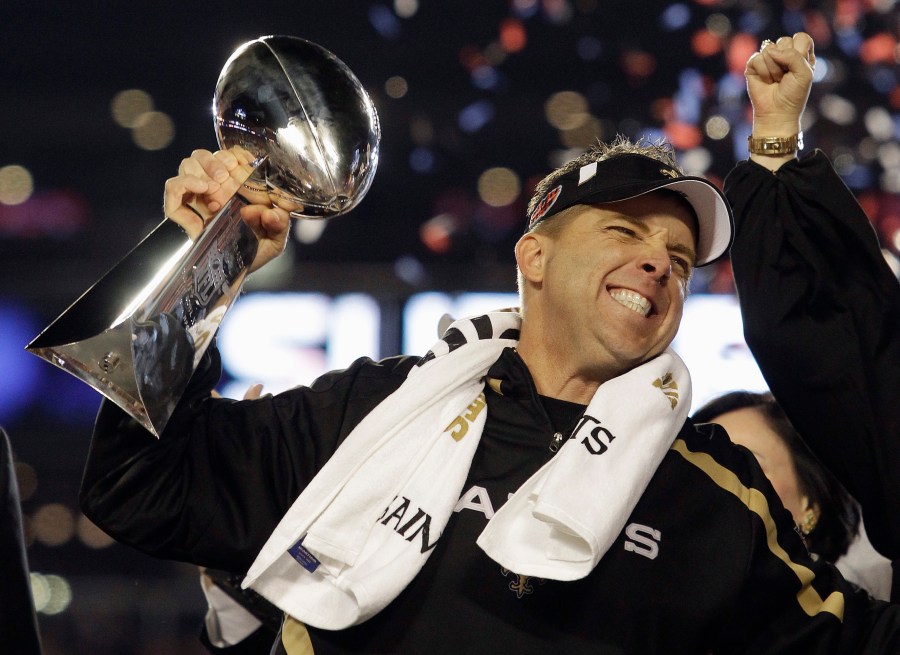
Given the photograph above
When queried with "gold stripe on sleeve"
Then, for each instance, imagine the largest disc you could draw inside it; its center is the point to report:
(295, 637)
(810, 600)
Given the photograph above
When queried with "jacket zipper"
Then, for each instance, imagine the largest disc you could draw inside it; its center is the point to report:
(556, 441)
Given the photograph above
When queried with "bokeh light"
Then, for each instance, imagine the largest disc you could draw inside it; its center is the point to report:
(52, 594)
(566, 110)
(53, 524)
(837, 109)
(584, 135)
(675, 16)
(512, 35)
(499, 186)
(27, 480)
(128, 106)
(154, 131)
(396, 87)
(16, 184)
(717, 127)
(406, 8)
(476, 116)
(437, 232)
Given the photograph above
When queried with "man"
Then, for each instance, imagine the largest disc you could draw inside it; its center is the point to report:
(532, 484)
(821, 307)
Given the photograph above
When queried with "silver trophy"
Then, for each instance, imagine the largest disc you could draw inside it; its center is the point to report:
(312, 132)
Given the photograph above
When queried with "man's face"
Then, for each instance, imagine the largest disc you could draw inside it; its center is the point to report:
(615, 281)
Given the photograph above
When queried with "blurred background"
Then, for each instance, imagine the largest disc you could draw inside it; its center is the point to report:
(478, 99)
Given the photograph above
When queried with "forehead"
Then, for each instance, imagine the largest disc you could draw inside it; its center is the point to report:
(748, 425)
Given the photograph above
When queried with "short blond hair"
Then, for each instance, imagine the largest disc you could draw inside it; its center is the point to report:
(661, 150)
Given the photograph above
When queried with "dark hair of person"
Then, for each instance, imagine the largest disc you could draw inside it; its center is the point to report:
(839, 512)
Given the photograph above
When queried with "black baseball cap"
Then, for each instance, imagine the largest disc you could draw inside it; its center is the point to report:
(630, 175)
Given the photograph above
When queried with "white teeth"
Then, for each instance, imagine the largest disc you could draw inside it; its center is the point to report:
(632, 300)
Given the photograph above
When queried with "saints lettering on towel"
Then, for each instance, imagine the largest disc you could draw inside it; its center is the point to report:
(460, 425)
(597, 438)
(420, 523)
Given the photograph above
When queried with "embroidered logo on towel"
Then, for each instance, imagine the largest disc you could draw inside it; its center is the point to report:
(669, 388)
(597, 439)
(306, 559)
(460, 425)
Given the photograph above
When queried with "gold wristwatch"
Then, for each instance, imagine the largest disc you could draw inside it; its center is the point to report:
(775, 146)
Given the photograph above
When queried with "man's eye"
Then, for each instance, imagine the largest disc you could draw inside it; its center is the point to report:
(681, 263)
(623, 230)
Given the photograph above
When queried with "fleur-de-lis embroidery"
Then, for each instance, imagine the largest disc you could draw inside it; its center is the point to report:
(669, 387)
(521, 584)
(668, 172)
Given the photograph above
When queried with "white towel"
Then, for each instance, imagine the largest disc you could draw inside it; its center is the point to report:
(564, 518)
(366, 524)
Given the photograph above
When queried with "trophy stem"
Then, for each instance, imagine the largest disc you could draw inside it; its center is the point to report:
(137, 335)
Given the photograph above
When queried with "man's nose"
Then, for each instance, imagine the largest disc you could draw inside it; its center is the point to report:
(656, 263)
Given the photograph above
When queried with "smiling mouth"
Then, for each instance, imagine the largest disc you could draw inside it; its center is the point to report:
(632, 300)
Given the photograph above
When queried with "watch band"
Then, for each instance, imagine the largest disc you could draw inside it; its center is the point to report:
(775, 146)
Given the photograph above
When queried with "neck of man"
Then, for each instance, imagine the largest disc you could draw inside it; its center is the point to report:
(552, 370)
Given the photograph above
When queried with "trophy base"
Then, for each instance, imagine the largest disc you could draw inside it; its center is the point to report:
(137, 335)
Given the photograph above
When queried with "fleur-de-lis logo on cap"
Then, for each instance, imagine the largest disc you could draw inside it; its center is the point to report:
(669, 387)
(669, 172)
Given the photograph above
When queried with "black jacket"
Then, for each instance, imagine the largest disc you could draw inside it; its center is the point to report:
(821, 311)
(708, 562)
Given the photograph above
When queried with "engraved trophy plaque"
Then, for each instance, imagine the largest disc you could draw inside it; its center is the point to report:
(312, 132)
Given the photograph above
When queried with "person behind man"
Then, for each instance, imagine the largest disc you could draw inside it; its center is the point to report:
(826, 515)
(820, 305)
(532, 483)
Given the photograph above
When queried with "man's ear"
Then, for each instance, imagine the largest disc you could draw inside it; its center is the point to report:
(531, 251)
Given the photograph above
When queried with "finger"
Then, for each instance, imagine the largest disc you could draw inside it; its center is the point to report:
(275, 221)
(253, 392)
(773, 66)
(244, 156)
(756, 67)
(193, 164)
(212, 164)
(784, 42)
(793, 61)
(804, 44)
(269, 223)
(227, 158)
(179, 192)
(266, 220)
(229, 173)
(192, 168)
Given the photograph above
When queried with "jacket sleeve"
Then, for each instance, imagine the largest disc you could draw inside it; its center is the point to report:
(210, 490)
(821, 311)
(792, 602)
(785, 600)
